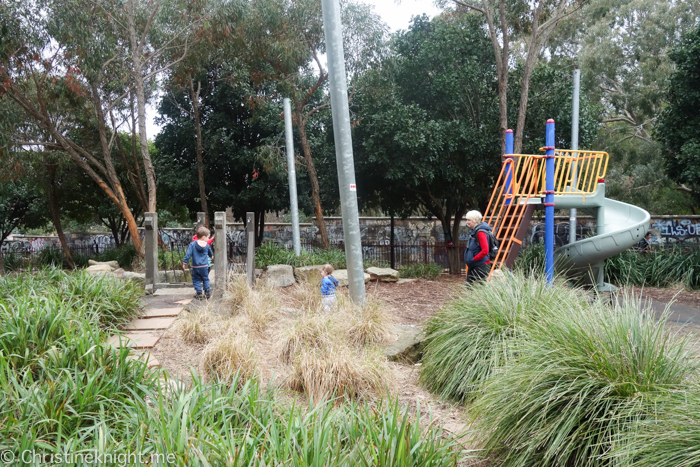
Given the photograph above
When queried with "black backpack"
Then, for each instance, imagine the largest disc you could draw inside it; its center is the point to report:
(493, 242)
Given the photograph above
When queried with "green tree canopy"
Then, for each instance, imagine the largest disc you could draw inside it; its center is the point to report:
(679, 126)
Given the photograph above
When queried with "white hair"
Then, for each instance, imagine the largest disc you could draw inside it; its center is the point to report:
(474, 216)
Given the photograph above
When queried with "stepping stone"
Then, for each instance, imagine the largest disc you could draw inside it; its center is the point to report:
(184, 302)
(149, 324)
(141, 340)
(150, 360)
(161, 312)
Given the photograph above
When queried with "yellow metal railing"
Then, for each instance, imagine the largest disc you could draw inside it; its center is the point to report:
(575, 172)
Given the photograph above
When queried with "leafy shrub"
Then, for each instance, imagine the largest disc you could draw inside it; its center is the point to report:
(474, 334)
(81, 260)
(582, 377)
(269, 254)
(124, 255)
(51, 257)
(421, 271)
(13, 261)
(531, 258)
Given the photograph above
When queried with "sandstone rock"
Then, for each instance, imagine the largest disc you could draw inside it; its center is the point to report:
(134, 276)
(341, 276)
(383, 274)
(99, 268)
(308, 273)
(279, 275)
(112, 264)
(119, 272)
(408, 347)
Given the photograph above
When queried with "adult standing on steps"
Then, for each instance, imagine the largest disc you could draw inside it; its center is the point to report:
(477, 253)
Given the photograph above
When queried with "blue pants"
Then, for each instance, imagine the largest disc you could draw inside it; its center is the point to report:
(200, 275)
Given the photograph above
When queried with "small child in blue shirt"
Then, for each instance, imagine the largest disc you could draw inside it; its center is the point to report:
(200, 252)
(328, 285)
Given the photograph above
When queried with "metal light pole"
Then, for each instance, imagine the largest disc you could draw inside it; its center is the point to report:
(574, 147)
(343, 148)
(291, 171)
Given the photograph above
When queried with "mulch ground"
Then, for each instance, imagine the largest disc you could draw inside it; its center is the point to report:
(415, 302)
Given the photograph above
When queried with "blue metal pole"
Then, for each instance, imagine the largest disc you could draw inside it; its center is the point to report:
(509, 169)
(549, 203)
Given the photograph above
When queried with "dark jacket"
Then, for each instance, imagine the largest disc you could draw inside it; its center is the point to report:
(473, 247)
(199, 254)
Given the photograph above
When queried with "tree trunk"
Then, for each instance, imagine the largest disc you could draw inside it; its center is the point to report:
(55, 212)
(137, 58)
(2, 262)
(313, 179)
(461, 211)
(194, 96)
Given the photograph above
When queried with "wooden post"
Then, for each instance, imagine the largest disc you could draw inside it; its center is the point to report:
(220, 258)
(151, 226)
(250, 237)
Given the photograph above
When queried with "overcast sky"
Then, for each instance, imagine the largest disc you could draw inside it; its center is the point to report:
(396, 16)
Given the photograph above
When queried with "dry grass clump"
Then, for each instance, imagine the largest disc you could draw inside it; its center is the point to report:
(305, 295)
(196, 327)
(339, 370)
(237, 291)
(369, 325)
(308, 331)
(231, 355)
(258, 304)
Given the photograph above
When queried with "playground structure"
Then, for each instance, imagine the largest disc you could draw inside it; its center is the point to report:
(564, 179)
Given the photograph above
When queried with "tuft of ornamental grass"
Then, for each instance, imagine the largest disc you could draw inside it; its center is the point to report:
(230, 358)
(338, 370)
(473, 335)
(656, 268)
(369, 324)
(581, 380)
(670, 437)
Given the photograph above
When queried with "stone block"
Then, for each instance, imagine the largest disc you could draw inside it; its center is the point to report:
(383, 274)
(280, 275)
(112, 264)
(99, 268)
(308, 273)
(341, 275)
(134, 276)
(408, 347)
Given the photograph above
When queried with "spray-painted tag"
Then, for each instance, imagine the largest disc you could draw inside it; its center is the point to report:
(353, 187)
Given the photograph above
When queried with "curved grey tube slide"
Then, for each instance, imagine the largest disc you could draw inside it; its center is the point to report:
(620, 226)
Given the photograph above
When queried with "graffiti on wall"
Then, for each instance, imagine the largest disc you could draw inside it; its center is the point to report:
(677, 228)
